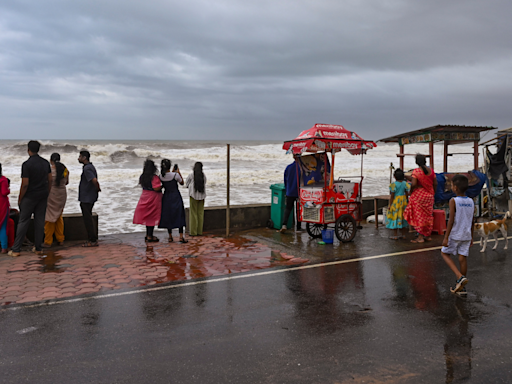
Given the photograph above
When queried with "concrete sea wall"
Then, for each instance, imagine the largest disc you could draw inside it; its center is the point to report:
(241, 217)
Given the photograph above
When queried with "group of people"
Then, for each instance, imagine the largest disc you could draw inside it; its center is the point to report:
(43, 194)
(411, 201)
(167, 210)
(414, 204)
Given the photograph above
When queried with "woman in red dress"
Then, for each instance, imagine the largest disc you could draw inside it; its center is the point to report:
(149, 206)
(4, 210)
(420, 210)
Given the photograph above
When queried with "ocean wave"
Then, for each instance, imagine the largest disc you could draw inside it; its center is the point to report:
(253, 169)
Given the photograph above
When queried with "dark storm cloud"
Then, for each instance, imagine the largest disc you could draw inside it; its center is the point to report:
(265, 69)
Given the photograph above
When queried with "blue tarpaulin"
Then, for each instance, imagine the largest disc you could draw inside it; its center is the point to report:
(476, 183)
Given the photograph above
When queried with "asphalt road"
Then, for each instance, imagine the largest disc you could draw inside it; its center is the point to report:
(384, 320)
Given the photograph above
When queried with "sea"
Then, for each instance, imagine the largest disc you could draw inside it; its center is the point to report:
(254, 166)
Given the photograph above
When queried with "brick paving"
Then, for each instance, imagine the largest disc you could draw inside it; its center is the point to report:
(73, 271)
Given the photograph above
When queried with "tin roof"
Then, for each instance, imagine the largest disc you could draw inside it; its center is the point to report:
(438, 129)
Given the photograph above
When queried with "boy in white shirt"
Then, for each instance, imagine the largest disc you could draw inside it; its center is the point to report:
(459, 233)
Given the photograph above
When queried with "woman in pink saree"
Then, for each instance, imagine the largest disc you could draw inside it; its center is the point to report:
(420, 210)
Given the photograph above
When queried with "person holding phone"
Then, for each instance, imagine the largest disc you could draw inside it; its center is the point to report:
(173, 210)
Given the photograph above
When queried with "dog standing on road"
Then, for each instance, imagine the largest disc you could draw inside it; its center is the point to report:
(492, 227)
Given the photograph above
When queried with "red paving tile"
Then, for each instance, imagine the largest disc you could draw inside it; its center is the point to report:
(120, 266)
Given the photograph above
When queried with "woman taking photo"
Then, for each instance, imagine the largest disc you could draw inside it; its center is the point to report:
(149, 206)
(54, 224)
(173, 211)
(419, 213)
(196, 190)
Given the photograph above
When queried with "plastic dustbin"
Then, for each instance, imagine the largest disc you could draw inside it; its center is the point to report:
(278, 205)
(328, 236)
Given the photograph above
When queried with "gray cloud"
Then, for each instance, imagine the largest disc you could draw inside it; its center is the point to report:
(250, 70)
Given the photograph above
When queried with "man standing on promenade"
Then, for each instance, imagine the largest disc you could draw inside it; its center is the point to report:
(36, 182)
(292, 194)
(88, 195)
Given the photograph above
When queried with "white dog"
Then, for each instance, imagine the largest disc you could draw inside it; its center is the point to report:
(492, 227)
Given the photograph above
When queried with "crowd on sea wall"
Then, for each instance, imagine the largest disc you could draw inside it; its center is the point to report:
(43, 195)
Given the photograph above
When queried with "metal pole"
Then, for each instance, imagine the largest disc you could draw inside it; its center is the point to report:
(475, 155)
(227, 195)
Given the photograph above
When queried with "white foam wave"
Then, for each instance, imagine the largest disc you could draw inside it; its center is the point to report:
(253, 169)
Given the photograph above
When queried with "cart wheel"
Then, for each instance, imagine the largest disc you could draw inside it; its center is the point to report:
(270, 224)
(315, 230)
(345, 228)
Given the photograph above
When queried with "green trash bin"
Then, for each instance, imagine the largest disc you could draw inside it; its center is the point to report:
(278, 205)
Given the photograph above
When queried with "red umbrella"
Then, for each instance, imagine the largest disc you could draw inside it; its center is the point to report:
(328, 137)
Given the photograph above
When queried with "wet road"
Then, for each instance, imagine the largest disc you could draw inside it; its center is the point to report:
(383, 320)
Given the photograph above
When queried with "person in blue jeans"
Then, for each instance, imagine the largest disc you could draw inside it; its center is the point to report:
(292, 194)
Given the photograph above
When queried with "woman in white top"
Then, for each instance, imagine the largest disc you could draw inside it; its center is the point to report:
(196, 182)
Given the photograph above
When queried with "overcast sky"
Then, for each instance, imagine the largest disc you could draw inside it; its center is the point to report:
(266, 69)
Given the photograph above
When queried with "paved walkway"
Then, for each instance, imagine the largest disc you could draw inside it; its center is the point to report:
(129, 263)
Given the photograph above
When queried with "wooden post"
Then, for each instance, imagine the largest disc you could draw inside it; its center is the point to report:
(475, 154)
(401, 157)
(445, 164)
(227, 195)
(376, 210)
(431, 153)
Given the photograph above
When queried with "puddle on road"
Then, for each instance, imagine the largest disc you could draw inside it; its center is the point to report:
(213, 258)
(50, 263)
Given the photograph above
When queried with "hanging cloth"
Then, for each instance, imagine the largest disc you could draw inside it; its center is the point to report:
(497, 164)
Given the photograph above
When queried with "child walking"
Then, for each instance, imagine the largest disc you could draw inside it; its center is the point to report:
(399, 193)
(459, 233)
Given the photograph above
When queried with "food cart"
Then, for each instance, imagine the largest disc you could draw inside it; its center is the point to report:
(324, 201)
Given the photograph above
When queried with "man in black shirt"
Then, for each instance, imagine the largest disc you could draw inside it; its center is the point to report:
(88, 195)
(36, 182)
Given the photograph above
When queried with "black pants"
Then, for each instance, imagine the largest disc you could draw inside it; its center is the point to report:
(88, 221)
(290, 202)
(149, 231)
(28, 207)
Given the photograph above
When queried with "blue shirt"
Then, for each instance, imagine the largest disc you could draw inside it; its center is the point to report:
(290, 180)
(87, 191)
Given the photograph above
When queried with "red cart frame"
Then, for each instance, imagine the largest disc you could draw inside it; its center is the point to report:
(336, 202)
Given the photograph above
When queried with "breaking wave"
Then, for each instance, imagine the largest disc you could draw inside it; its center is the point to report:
(254, 167)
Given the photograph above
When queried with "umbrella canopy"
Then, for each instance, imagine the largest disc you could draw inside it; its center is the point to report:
(328, 137)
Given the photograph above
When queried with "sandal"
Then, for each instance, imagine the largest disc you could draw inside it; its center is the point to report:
(416, 241)
(394, 237)
(34, 250)
(170, 239)
(88, 244)
(183, 240)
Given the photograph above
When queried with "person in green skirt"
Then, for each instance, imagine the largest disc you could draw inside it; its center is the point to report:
(399, 194)
(196, 182)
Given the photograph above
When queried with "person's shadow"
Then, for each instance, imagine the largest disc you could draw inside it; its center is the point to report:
(457, 347)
